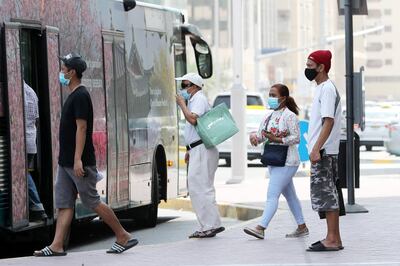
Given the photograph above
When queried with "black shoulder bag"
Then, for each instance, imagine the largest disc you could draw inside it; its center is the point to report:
(274, 155)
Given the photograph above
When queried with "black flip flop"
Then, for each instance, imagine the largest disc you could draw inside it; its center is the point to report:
(118, 248)
(197, 234)
(48, 252)
(313, 244)
(203, 234)
(320, 247)
(218, 230)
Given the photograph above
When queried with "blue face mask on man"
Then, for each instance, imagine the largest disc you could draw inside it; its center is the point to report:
(185, 94)
(273, 102)
(64, 81)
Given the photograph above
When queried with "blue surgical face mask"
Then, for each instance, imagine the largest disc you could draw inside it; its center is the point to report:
(273, 102)
(185, 94)
(64, 81)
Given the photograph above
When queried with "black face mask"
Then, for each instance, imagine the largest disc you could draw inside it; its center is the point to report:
(310, 73)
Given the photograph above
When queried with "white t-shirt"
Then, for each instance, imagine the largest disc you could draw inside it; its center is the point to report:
(324, 106)
(198, 104)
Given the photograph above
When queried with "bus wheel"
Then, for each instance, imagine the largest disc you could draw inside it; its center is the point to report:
(149, 218)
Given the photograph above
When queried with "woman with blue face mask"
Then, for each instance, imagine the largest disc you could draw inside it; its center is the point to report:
(281, 127)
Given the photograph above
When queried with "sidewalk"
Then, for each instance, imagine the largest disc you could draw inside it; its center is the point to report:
(369, 239)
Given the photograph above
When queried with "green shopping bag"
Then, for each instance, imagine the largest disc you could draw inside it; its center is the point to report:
(216, 126)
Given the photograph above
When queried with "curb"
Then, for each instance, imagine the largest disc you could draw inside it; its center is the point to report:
(234, 211)
(383, 161)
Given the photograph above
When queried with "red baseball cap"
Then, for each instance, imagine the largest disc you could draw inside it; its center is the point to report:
(322, 57)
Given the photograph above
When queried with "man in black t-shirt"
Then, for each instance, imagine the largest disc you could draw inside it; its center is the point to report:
(77, 171)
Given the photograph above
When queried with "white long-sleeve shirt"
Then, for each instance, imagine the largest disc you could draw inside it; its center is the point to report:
(284, 124)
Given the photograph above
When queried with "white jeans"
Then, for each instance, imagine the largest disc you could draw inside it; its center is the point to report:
(281, 182)
(202, 166)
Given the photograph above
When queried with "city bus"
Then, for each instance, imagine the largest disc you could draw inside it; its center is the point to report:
(133, 52)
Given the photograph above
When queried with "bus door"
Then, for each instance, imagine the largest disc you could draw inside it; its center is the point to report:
(179, 57)
(31, 57)
(41, 65)
(117, 119)
(15, 188)
(50, 107)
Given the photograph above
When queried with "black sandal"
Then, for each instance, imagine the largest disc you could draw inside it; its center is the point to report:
(218, 230)
(318, 242)
(118, 248)
(319, 247)
(203, 234)
(48, 252)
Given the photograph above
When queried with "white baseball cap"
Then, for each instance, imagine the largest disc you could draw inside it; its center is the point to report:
(193, 78)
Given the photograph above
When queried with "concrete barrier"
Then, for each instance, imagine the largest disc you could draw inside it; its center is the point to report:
(234, 211)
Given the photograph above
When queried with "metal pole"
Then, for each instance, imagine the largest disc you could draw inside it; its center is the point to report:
(257, 36)
(238, 99)
(348, 9)
(351, 207)
(216, 45)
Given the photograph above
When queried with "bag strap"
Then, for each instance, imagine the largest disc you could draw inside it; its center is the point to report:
(337, 101)
(267, 121)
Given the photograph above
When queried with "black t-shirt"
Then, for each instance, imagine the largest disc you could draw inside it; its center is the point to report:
(77, 106)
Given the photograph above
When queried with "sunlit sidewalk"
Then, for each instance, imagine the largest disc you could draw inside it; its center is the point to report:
(369, 239)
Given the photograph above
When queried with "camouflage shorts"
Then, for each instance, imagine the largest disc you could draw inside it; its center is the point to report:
(324, 174)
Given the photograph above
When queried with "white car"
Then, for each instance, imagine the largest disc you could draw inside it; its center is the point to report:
(253, 99)
(254, 116)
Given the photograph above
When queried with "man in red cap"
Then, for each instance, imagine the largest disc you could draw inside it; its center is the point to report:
(323, 144)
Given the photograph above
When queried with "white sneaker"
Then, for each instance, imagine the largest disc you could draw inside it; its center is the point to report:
(298, 233)
(254, 232)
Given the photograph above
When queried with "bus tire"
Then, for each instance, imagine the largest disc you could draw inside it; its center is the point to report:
(149, 218)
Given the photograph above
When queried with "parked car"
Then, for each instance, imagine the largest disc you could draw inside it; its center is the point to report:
(253, 99)
(376, 130)
(393, 143)
(254, 116)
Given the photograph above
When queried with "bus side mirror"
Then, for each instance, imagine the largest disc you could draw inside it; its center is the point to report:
(203, 58)
(129, 5)
(201, 49)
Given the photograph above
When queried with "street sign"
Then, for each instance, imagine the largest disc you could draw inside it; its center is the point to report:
(359, 7)
(303, 149)
(359, 99)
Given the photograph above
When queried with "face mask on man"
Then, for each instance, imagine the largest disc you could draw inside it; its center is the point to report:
(64, 81)
(273, 102)
(185, 94)
(311, 73)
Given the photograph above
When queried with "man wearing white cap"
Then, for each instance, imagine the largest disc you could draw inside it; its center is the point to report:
(203, 162)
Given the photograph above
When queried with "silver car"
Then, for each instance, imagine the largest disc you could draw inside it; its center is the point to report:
(393, 143)
(376, 130)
